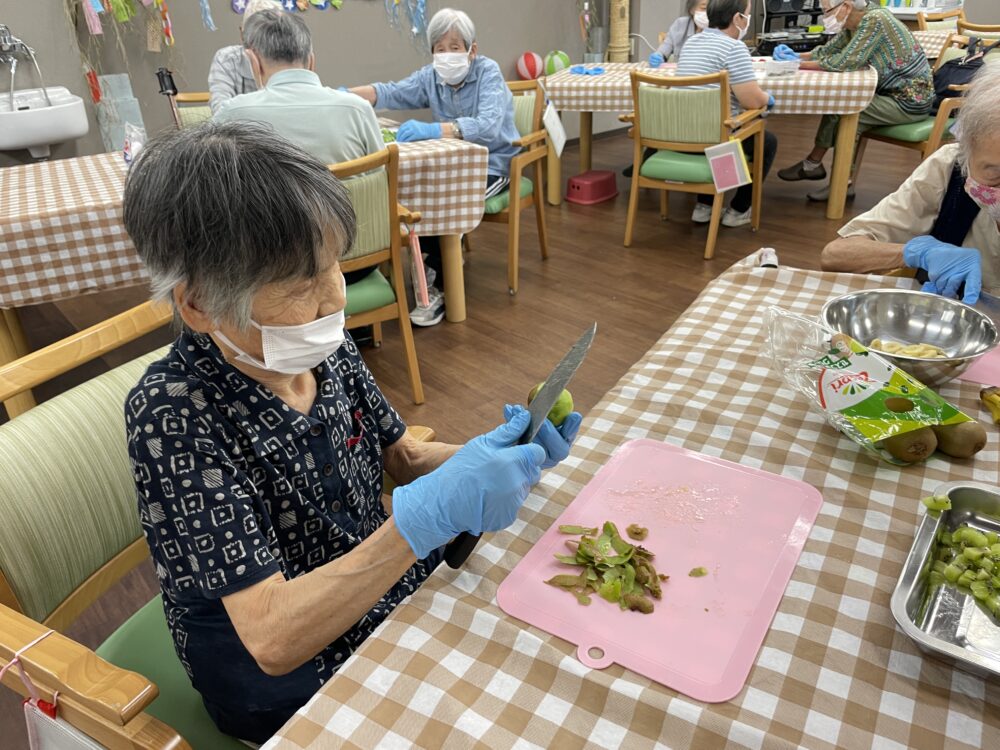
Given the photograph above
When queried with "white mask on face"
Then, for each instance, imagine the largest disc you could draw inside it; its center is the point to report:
(745, 29)
(292, 350)
(832, 24)
(701, 19)
(452, 67)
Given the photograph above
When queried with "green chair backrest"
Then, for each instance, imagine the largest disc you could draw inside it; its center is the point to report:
(524, 112)
(67, 494)
(193, 115)
(948, 23)
(680, 115)
(370, 197)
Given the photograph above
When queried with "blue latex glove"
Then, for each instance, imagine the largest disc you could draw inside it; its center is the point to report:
(342, 88)
(478, 489)
(770, 102)
(556, 441)
(947, 266)
(656, 60)
(415, 130)
(784, 52)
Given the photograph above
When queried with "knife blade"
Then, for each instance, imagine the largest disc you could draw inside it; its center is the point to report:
(459, 548)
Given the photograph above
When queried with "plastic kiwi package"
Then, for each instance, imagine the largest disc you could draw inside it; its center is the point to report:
(880, 407)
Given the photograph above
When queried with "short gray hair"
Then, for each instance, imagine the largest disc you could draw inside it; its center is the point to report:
(278, 37)
(855, 4)
(447, 19)
(977, 119)
(226, 208)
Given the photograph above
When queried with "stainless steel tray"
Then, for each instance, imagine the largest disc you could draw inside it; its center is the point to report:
(952, 626)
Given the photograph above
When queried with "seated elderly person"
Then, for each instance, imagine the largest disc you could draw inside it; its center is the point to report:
(945, 219)
(721, 47)
(694, 20)
(333, 126)
(468, 98)
(230, 73)
(259, 440)
(865, 36)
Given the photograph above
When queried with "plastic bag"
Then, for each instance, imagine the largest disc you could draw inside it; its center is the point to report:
(861, 394)
(135, 139)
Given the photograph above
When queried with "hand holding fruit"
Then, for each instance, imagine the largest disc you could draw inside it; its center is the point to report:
(559, 430)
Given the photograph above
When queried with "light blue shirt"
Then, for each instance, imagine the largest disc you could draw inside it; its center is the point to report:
(333, 126)
(482, 106)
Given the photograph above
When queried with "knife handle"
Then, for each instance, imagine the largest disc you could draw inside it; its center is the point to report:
(459, 549)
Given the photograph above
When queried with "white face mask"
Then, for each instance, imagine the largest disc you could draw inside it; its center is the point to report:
(745, 29)
(452, 67)
(292, 350)
(701, 19)
(832, 24)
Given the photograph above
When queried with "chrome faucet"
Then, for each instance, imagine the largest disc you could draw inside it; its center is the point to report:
(11, 48)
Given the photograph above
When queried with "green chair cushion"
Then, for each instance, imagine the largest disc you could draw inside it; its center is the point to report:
(501, 201)
(372, 292)
(911, 132)
(677, 167)
(193, 115)
(143, 644)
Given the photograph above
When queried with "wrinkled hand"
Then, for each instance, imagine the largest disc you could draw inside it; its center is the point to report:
(656, 60)
(557, 441)
(478, 489)
(947, 266)
(415, 130)
(784, 53)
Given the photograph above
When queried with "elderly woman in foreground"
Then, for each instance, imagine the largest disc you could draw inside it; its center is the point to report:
(259, 441)
(945, 219)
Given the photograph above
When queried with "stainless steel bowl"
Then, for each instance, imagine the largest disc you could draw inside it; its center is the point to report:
(910, 317)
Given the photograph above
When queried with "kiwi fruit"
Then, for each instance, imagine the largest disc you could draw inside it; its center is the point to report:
(962, 440)
(912, 446)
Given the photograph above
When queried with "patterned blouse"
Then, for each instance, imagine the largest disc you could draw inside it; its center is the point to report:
(235, 486)
(887, 45)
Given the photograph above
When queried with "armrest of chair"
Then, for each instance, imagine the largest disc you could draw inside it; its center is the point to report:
(744, 118)
(960, 87)
(81, 676)
(530, 138)
(406, 215)
(421, 434)
(629, 118)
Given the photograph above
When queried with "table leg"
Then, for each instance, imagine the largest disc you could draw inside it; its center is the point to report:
(586, 139)
(554, 169)
(14, 345)
(454, 278)
(843, 159)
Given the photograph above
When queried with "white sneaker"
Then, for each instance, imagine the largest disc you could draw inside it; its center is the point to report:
(733, 218)
(702, 214)
(430, 314)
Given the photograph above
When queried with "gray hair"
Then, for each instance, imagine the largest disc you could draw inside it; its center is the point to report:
(227, 208)
(977, 119)
(690, 6)
(278, 37)
(447, 19)
(855, 4)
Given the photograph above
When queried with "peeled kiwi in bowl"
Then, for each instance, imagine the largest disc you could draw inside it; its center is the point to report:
(911, 447)
(962, 440)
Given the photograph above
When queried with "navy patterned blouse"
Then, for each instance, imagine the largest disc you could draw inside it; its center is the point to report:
(235, 486)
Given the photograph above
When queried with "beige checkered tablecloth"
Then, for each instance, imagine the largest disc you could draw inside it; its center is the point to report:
(449, 669)
(805, 93)
(932, 41)
(61, 231)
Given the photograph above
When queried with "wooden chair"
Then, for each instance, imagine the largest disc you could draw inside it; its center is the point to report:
(927, 135)
(680, 123)
(372, 182)
(37, 367)
(981, 30)
(945, 20)
(70, 531)
(190, 108)
(506, 207)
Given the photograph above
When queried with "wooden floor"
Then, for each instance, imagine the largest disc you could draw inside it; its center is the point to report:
(509, 343)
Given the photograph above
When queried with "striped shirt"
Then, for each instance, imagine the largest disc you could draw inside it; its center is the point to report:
(713, 51)
(230, 75)
(884, 43)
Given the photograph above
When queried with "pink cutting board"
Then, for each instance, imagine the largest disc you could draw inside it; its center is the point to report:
(746, 526)
(985, 370)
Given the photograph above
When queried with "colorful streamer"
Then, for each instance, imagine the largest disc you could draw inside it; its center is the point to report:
(93, 22)
(206, 16)
(122, 10)
(97, 5)
(168, 27)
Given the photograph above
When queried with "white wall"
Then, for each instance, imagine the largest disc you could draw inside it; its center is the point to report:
(982, 11)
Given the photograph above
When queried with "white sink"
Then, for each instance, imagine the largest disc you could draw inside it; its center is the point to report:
(34, 125)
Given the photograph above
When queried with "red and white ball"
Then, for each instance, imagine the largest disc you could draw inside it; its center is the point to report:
(529, 66)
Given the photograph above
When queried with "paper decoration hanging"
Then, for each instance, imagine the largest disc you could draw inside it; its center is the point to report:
(154, 34)
(289, 5)
(238, 6)
(416, 13)
(168, 27)
(97, 5)
(122, 10)
(206, 16)
(93, 22)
